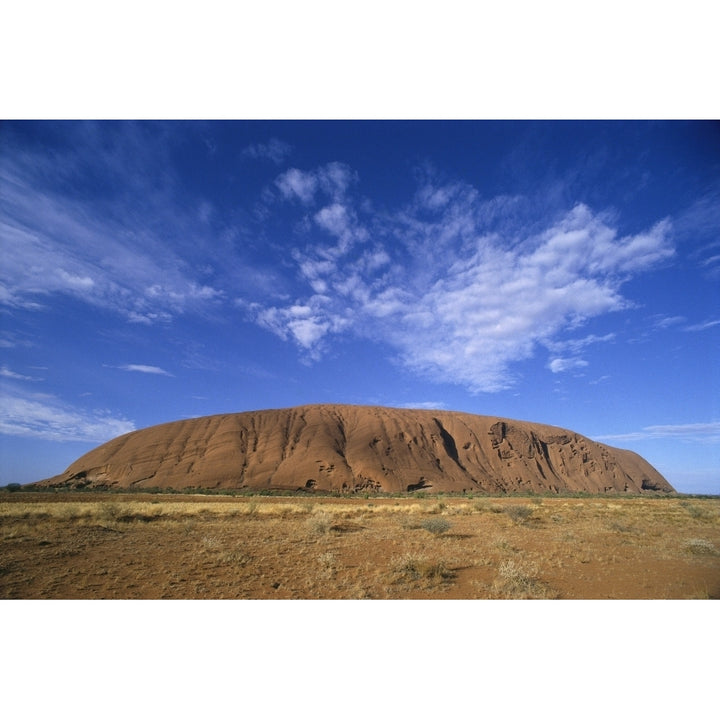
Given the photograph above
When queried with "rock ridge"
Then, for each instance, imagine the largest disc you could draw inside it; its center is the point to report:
(352, 448)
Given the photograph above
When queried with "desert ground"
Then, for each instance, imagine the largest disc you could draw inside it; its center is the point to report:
(105, 545)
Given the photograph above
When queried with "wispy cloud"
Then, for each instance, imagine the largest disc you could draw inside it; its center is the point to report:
(702, 326)
(599, 380)
(297, 184)
(275, 150)
(306, 323)
(424, 405)
(662, 322)
(574, 346)
(331, 181)
(147, 369)
(44, 416)
(130, 252)
(690, 432)
(465, 293)
(10, 340)
(558, 365)
(459, 286)
(699, 226)
(6, 372)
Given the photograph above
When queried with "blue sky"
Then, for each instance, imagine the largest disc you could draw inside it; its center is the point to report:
(559, 272)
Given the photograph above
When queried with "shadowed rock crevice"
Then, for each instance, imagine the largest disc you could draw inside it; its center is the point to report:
(347, 448)
(449, 444)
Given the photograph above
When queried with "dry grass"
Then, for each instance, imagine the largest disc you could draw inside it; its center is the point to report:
(700, 546)
(319, 523)
(414, 568)
(130, 546)
(519, 581)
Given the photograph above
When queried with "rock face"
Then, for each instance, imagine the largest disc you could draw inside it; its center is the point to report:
(355, 448)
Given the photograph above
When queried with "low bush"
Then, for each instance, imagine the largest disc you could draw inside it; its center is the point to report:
(436, 525)
(319, 523)
(411, 567)
(700, 546)
(519, 513)
(698, 513)
(517, 581)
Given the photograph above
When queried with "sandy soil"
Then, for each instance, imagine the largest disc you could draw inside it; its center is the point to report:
(86, 545)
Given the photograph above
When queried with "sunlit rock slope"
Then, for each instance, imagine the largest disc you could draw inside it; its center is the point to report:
(351, 448)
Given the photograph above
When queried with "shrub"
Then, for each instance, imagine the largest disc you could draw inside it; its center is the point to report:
(111, 512)
(519, 513)
(412, 567)
(235, 556)
(319, 523)
(518, 581)
(436, 525)
(700, 546)
(694, 511)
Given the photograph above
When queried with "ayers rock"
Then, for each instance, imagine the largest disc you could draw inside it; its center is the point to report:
(351, 448)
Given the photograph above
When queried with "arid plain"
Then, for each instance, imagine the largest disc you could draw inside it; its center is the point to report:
(108, 545)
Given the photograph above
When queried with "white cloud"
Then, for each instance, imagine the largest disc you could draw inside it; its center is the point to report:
(148, 318)
(375, 259)
(297, 184)
(306, 324)
(702, 326)
(599, 380)
(460, 286)
(426, 405)
(664, 322)
(308, 331)
(6, 372)
(275, 150)
(690, 432)
(107, 254)
(147, 369)
(558, 365)
(337, 220)
(334, 219)
(12, 340)
(491, 308)
(333, 180)
(466, 293)
(711, 262)
(575, 345)
(42, 416)
(76, 282)
(699, 226)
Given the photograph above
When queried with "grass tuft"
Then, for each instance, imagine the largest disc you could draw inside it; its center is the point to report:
(411, 568)
(319, 523)
(518, 581)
